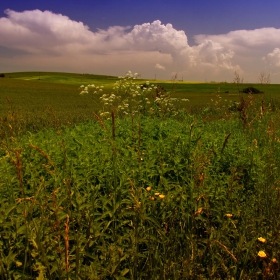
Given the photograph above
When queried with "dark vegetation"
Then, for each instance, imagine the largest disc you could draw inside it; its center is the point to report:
(251, 90)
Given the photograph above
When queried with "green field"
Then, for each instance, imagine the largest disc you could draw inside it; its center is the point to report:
(172, 189)
(41, 94)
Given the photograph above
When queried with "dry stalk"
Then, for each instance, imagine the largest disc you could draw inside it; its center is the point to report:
(43, 154)
(132, 126)
(139, 142)
(18, 165)
(113, 124)
(226, 249)
(225, 142)
(54, 199)
(243, 109)
(66, 237)
(55, 118)
(101, 122)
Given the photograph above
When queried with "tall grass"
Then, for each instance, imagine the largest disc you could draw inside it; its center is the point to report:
(144, 196)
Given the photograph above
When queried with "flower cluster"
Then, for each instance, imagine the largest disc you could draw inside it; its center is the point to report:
(134, 98)
(131, 97)
(90, 89)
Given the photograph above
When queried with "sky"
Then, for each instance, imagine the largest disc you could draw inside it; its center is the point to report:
(195, 40)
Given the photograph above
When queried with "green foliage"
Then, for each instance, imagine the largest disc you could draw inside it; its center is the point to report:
(144, 196)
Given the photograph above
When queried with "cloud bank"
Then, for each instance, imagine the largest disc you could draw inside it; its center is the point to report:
(45, 41)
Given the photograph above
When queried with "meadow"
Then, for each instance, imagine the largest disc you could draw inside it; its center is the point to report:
(172, 181)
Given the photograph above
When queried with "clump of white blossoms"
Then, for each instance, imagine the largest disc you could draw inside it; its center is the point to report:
(134, 98)
(87, 89)
(130, 97)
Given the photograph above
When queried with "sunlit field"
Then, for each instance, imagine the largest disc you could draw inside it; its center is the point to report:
(134, 180)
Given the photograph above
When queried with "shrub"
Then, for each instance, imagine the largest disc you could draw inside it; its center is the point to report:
(251, 90)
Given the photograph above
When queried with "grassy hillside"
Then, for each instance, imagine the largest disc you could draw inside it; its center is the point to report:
(62, 78)
(60, 90)
(43, 99)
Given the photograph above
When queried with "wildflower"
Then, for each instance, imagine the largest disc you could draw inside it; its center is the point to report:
(161, 196)
(157, 194)
(18, 264)
(148, 188)
(152, 198)
(229, 215)
(262, 240)
(274, 260)
(262, 254)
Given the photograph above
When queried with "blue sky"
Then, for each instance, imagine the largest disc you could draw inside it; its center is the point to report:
(198, 40)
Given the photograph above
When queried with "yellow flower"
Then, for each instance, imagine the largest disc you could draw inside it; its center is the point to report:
(262, 254)
(229, 215)
(152, 198)
(274, 260)
(18, 264)
(157, 194)
(148, 188)
(161, 196)
(261, 239)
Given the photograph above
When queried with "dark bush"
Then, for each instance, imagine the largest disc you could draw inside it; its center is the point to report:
(2, 75)
(251, 90)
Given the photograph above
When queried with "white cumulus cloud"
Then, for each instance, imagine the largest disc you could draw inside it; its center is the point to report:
(273, 58)
(254, 50)
(160, 67)
(43, 40)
